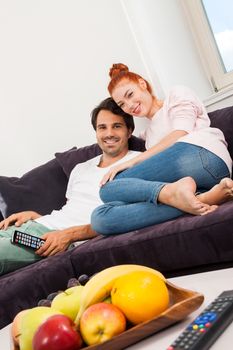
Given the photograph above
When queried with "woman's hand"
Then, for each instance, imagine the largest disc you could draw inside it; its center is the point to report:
(18, 219)
(55, 242)
(114, 170)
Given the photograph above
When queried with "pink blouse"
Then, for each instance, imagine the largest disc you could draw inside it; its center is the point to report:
(182, 110)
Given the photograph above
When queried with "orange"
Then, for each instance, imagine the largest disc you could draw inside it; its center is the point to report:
(141, 295)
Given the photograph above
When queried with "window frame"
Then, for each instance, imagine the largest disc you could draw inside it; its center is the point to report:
(206, 45)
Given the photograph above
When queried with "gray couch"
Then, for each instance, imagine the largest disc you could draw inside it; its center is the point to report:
(185, 245)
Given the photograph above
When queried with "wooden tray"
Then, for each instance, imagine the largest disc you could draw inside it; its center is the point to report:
(182, 303)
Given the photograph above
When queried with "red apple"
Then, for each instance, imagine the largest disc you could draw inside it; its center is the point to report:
(100, 322)
(57, 333)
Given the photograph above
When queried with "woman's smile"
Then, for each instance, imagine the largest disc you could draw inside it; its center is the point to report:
(137, 109)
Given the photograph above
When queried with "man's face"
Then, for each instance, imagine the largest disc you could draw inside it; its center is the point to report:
(112, 134)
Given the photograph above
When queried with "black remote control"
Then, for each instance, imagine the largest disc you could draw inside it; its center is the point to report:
(208, 326)
(27, 240)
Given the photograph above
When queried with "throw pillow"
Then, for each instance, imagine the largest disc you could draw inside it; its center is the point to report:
(41, 189)
(223, 119)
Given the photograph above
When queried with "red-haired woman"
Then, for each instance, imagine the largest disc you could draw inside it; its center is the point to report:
(180, 144)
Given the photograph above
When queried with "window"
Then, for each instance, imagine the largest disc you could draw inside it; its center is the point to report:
(212, 25)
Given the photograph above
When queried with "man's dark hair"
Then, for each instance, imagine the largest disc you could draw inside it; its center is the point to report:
(110, 105)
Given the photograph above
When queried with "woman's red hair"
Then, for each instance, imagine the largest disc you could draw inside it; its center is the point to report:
(120, 71)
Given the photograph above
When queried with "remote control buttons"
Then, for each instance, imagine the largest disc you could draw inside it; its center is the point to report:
(205, 329)
(27, 240)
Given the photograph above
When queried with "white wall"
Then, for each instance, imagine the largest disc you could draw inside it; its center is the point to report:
(54, 62)
(167, 45)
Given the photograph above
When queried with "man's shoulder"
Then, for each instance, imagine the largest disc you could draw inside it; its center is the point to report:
(91, 163)
(181, 93)
(133, 153)
(88, 163)
(130, 155)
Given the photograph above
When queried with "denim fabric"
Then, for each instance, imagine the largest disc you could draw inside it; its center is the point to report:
(180, 160)
(125, 197)
(120, 217)
(131, 190)
(12, 256)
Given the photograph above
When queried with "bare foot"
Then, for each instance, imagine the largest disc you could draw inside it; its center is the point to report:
(220, 193)
(181, 195)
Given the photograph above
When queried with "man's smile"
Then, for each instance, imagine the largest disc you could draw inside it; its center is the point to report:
(111, 141)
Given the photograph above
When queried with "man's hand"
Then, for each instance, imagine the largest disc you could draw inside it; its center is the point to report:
(114, 170)
(59, 241)
(55, 241)
(18, 219)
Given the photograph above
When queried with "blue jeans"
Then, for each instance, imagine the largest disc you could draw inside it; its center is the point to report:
(131, 198)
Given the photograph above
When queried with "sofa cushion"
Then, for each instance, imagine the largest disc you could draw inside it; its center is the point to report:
(41, 189)
(184, 243)
(75, 155)
(23, 288)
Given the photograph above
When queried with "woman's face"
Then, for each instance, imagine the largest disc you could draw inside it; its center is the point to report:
(134, 98)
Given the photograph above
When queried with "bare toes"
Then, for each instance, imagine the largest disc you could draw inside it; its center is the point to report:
(209, 210)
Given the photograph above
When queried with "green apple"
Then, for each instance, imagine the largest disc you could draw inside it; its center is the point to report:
(68, 302)
(30, 322)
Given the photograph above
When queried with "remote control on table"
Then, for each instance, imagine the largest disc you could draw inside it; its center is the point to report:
(208, 326)
(27, 240)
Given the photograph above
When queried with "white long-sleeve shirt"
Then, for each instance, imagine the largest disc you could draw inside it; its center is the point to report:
(182, 110)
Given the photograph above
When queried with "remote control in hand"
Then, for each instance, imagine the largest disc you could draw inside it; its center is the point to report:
(208, 326)
(27, 240)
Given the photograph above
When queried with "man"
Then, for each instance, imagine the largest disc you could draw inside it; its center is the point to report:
(72, 222)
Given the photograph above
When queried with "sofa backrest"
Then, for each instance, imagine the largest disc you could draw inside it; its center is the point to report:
(43, 188)
(223, 119)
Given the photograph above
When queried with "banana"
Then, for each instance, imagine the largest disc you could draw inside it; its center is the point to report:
(100, 285)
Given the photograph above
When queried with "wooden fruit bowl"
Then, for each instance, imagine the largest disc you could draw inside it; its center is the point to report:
(182, 303)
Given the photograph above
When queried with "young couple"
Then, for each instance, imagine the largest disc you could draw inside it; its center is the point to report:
(186, 167)
(184, 156)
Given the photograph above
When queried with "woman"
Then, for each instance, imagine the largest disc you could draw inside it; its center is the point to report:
(180, 143)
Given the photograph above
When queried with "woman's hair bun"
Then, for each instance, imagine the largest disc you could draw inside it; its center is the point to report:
(117, 68)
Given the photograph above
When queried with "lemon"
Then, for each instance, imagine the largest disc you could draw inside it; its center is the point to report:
(141, 295)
